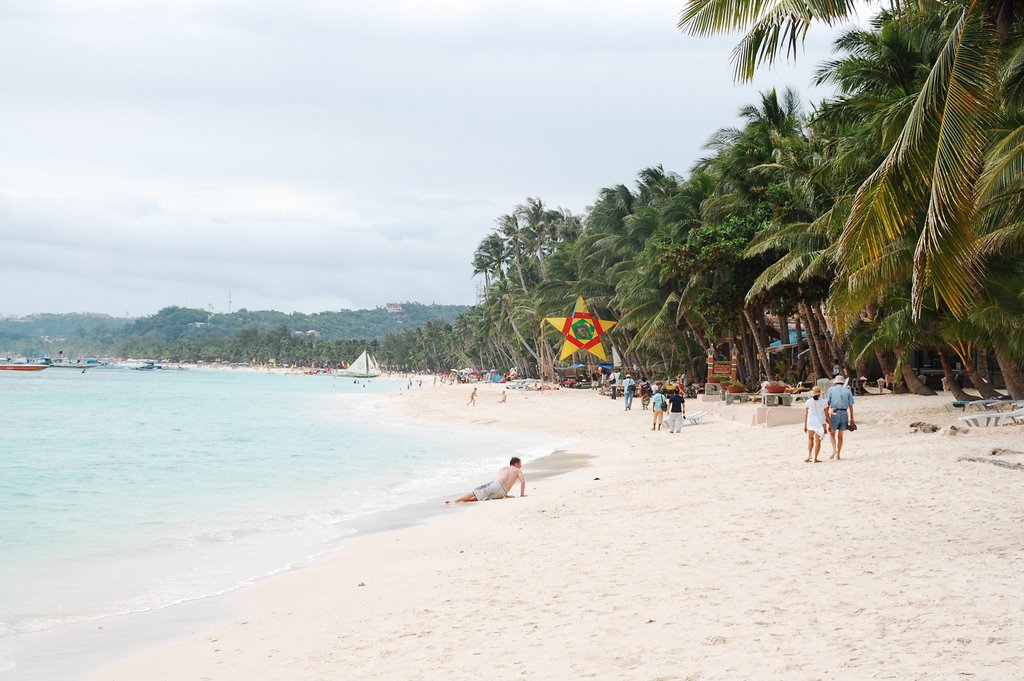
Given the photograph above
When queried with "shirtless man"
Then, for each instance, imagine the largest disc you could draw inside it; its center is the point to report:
(497, 489)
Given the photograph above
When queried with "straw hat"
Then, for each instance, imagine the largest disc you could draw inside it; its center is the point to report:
(816, 390)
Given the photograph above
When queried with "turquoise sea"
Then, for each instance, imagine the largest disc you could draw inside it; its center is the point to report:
(128, 491)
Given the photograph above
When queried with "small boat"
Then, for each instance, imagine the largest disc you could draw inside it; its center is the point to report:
(149, 366)
(365, 366)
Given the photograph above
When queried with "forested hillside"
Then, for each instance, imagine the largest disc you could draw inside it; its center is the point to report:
(186, 333)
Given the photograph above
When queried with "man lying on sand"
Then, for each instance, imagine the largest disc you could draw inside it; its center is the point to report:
(497, 489)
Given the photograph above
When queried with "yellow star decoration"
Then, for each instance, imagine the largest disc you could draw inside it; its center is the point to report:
(581, 330)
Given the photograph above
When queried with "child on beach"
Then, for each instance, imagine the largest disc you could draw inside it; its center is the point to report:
(472, 398)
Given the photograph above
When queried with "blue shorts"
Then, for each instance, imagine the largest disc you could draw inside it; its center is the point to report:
(840, 420)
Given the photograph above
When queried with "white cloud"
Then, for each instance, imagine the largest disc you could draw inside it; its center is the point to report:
(316, 154)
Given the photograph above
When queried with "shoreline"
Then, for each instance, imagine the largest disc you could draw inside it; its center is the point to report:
(711, 553)
(65, 650)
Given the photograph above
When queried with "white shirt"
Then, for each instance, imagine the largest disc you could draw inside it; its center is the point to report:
(816, 414)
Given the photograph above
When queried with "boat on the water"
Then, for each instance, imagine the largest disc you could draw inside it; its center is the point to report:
(8, 365)
(68, 363)
(149, 366)
(365, 366)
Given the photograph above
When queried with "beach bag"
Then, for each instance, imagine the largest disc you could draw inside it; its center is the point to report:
(664, 405)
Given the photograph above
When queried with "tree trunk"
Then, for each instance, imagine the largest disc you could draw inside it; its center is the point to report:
(801, 360)
(818, 368)
(883, 364)
(861, 368)
(515, 330)
(762, 326)
(750, 368)
(1011, 375)
(762, 351)
(833, 347)
(980, 384)
(913, 381)
(984, 366)
(949, 378)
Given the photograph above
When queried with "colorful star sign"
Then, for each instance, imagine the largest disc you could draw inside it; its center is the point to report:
(582, 330)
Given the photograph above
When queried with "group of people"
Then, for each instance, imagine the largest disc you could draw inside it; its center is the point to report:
(833, 414)
(668, 399)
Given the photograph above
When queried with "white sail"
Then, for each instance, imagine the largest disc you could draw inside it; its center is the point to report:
(365, 366)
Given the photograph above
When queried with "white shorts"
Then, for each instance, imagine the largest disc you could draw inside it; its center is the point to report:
(490, 490)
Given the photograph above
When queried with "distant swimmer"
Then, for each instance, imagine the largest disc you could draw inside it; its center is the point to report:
(499, 488)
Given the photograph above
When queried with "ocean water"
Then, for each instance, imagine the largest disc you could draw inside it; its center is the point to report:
(128, 491)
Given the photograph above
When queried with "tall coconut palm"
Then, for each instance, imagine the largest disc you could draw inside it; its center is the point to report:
(490, 258)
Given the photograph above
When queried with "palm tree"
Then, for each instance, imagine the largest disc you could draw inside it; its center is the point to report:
(515, 243)
(490, 258)
(927, 183)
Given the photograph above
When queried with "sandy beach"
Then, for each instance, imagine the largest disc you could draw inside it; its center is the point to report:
(715, 553)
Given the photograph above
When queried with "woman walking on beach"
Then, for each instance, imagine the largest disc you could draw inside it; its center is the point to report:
(645, 393)
(814, 424)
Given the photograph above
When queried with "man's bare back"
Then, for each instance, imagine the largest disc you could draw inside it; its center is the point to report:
(507, 476)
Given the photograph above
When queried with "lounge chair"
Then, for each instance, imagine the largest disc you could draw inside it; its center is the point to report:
(957, 405)
(983, 405)
(695, 419)
(994, 418)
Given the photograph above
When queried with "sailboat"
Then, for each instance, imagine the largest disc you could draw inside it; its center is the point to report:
(365, 366)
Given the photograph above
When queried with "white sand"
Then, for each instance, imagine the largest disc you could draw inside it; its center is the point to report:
(715, 553)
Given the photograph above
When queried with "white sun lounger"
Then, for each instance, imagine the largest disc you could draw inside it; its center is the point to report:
(695, 419)
(983, 405)
(994, 418)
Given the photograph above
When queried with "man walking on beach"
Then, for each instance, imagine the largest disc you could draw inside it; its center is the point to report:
(840, 408)
(677, 410)
(628, 386)
(499, 488)
(815, 422)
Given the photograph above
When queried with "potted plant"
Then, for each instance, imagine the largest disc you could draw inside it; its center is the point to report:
(775, 388)
(735, 387)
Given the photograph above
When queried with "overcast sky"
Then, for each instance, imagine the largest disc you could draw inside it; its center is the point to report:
(310, 155)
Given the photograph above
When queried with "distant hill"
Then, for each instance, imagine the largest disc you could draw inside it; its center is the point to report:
(97, 334)
(74, 332)
(172, 323)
